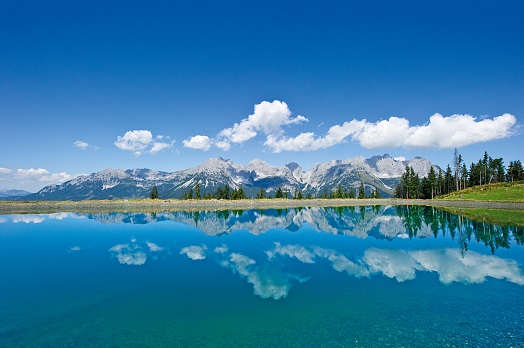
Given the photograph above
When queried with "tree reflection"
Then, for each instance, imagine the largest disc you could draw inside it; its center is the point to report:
(460, 228)
(382, 222)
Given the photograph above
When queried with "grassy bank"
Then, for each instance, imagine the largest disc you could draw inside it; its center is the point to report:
(500, 192)
(499, 217)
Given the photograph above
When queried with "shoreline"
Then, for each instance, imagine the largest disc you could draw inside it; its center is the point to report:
(147, 205)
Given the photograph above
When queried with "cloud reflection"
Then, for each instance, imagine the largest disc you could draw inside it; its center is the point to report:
(194, 252)
(39, 218)
(450, 264)
(134, 253)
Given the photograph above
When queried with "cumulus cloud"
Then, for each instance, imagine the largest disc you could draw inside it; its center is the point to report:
(83, 145)
(441, 133)
(33, 179)
(133, 253)
(269, 118)
(28, 176)
(194, 252)
(142, 141)
(198, 142)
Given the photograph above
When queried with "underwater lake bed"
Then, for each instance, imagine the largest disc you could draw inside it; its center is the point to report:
(393, 276)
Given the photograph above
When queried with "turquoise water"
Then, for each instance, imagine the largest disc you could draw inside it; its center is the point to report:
(348, 277)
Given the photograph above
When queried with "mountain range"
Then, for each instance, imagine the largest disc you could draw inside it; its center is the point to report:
(13, 193)
(381, 173)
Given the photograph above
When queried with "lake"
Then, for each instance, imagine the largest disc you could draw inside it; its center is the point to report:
(395, 276)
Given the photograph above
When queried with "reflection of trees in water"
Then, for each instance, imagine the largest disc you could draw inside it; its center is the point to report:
(360, 221)
(458, 227)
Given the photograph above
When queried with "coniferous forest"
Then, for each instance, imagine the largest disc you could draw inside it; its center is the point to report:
(486, 170)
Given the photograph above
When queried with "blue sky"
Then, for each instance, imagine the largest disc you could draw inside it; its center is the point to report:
(123, 84)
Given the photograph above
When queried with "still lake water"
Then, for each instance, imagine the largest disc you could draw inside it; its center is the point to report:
(348, 277)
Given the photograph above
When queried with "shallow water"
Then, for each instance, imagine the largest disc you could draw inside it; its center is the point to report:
(368, 276)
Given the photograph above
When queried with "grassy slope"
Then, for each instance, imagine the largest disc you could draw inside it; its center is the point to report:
(501, 192)
(494, 216)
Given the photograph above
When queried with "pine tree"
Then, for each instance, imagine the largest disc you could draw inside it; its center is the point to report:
(339, 193)
(279, 193)
(361, 191)
(154, 193)
(197, 190)
(261, 194)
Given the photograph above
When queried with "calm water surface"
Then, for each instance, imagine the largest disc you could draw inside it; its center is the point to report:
(348, 277)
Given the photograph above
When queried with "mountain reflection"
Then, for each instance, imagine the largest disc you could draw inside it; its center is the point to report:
(380, 222)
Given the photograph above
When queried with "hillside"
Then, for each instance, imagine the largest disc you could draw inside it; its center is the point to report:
(499, 192)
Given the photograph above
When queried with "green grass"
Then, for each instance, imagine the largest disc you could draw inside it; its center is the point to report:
(494, 216)
(500, 192)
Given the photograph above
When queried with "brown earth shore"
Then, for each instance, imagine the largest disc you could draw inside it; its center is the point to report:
(148, 205)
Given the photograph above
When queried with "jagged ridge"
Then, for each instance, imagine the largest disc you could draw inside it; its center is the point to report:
(378, 172)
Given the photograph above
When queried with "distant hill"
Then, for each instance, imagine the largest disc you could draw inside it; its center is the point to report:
(377, 173)
(9, 194)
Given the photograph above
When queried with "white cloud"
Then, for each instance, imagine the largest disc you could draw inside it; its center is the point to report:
(460, 130)
(198, 142)
(5, 171)
(83, 145)
(268, 118)
(224, 145)
(28, 176)
(141, 141)
(441, 133)
(158, 146)
(194, 252)
(400, 158)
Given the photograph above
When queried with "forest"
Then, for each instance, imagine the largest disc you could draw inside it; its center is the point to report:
(486, 170)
